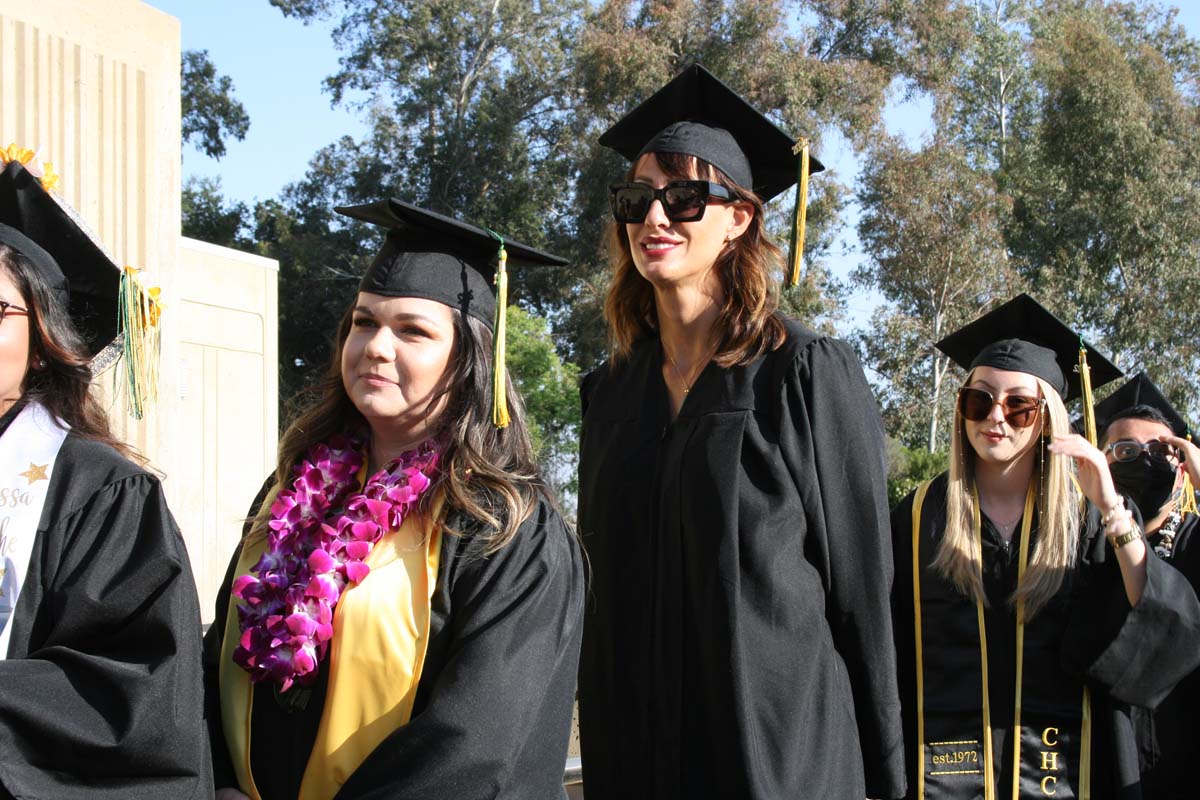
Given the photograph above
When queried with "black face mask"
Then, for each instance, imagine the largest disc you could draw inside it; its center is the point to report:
(1147, 481)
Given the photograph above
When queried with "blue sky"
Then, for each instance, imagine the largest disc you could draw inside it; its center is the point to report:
(278, 65)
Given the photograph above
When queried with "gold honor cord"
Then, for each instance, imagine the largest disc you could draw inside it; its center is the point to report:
(500, 416)
(1026, 529)
(800, 215)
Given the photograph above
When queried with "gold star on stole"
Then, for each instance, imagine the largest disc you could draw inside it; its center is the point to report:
(36, 472)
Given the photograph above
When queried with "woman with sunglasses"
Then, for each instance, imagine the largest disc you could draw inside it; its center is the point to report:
(731, 501)
(1144, 436)
(1028, 620)
(402, 617)
(100, 688)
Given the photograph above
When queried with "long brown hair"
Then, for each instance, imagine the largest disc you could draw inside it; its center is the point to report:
(747, 324)
(63, 384)
(488, 476)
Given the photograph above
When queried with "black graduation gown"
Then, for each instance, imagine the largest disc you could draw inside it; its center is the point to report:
(1169, 738)
(737, 639)
(1127, 656)
(492, 714)
(101, 695)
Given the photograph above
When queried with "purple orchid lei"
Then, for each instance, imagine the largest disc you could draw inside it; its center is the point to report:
(321, 530)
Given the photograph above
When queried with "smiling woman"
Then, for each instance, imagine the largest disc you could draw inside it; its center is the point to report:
(403, 615)
(731, 492)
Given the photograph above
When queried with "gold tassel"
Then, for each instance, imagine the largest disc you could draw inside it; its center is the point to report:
(1085, 383)
(799, 215)
(499, 395)
(1187, 495)
(138, 312)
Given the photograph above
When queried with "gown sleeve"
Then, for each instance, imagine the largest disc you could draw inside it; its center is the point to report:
(494, 721)
(105, 703)
(833, 442)
(1140, 653)
(902, 621)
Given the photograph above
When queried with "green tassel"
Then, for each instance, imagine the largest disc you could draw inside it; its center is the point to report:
(138, 312)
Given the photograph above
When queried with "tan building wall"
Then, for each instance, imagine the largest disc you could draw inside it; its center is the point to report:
(227, 386)
(93, 85)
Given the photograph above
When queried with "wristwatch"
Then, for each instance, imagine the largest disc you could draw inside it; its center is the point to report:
(1125, 538)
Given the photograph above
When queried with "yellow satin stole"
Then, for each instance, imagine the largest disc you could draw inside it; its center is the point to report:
(381, 632)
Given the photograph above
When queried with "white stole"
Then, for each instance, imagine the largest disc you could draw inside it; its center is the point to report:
(28, 450)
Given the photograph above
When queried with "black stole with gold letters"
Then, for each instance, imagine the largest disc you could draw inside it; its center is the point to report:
(1048, 749)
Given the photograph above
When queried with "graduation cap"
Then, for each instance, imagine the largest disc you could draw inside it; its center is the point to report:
(114, 313)
(1022, 336)
(1141, 391)
(698, 115)
(435, 257)
(66, 253)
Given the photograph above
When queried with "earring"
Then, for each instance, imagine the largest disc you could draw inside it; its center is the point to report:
(40, 363)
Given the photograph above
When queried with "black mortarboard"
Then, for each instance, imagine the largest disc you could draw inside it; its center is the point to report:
(65, 251)
(1022, 336)
(1141, 391)
(438, 258)
(698, 115)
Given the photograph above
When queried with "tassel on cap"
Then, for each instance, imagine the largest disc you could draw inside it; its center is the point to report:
(1085, 382)
(500, 416)
(1187, 495)
(800, 214)
(138, 312)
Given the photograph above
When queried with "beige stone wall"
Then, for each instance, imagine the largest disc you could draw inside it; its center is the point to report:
(225, 416)
(93, 85)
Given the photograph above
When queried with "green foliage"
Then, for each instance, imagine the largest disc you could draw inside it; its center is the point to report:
(1107, 202)
(1064, 162)
(909, 466)
(551, 391)
(931, 225)
(210, 111)
(209, 218)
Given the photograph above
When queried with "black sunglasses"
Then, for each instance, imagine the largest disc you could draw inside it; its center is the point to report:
(1129, 450)
(682, 201)
(976, 404)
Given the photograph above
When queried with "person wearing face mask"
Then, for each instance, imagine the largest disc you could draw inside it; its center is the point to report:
(1144, 438)
(1030, 614)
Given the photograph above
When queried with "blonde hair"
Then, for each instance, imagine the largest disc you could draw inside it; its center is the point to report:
(959, 557)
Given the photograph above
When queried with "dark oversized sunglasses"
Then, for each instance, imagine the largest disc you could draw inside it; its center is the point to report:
(682, 201)
(1019, 411)
(1129, 450)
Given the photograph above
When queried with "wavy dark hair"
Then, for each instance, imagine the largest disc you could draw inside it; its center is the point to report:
(489, 477)
(63, 385)
(747, 323)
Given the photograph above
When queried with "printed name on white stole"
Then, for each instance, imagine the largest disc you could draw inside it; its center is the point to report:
(28, 451)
